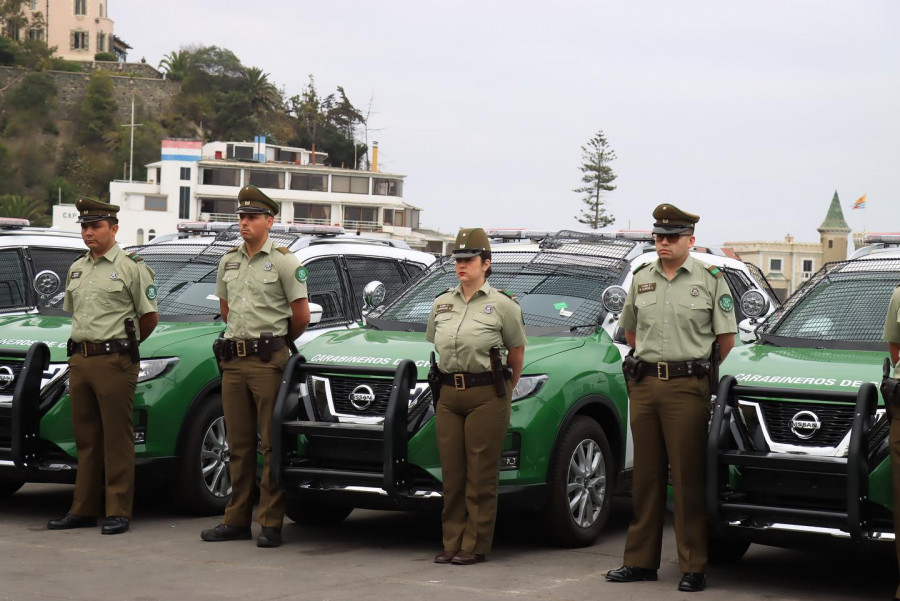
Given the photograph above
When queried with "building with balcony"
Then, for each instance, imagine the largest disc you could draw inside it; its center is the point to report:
(78, 28)
(788, 264)
(193, 181)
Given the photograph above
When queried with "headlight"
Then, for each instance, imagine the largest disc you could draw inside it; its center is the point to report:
(528, 386)
(153, 368)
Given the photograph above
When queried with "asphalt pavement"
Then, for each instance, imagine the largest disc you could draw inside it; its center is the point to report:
(377, 555)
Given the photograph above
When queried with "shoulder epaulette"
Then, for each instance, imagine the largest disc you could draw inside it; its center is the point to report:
(283, 250)
(443, 292)
(715, 271)
(135, 257)
(233, 249)
(508, 294)
(84, 256)
(638, 268)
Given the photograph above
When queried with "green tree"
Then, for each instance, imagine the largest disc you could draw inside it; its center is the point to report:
(24, 207)
(176, 64)
(98, 110)
(311, 112)
(264, 96)
(597, 177)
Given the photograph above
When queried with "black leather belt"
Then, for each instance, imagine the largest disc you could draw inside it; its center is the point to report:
(461, 381)
(106, 347)
(253, 346)
(666, 370)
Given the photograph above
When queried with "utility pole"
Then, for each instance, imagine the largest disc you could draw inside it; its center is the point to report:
(132, 126)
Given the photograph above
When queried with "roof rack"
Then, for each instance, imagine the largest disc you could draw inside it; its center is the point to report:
(291, 228)
(13, 223)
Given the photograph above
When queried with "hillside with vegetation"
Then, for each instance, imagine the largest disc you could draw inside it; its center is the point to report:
(50, 154)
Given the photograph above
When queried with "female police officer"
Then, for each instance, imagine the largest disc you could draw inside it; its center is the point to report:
(472, 418)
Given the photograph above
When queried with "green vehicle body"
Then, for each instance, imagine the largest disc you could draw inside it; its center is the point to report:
(802, 454)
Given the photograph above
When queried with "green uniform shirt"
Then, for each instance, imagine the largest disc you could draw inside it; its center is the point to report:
(892, 324)
(677, 320)
(259, 291)
(464, 332)
(102, 293)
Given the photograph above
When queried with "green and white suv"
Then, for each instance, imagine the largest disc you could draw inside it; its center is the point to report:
(179, 429)
(357, 419)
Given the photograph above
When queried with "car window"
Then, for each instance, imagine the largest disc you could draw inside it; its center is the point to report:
(325, 288)
(366, 269)
(739, 283)
(51, 265)
(413, 270)
(13, 280)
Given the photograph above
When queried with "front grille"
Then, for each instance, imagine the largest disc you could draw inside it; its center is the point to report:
(7, 387)
(342, 388)
(835, 420)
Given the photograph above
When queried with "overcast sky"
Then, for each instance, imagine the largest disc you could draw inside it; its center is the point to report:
(749, 114)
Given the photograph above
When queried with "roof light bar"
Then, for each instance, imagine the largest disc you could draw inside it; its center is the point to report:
(319, 230)
(204, 226)
(518, 233)
(882, 238)
(13, 223)
(294, 228)
(636, 235)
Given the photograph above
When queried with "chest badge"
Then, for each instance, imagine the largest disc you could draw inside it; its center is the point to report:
(695, 290)
(114, 275)
(76, 275)
(489, 309)
(267, 266)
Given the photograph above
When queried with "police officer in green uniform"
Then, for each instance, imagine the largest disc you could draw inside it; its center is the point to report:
(472, 413)
(107, 291)
(892, 336)
(262, 294)
(676, 309)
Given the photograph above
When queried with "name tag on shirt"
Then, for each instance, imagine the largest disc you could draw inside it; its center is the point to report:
(443, 308)
(232, 266)
(76, 275)
(646, 287)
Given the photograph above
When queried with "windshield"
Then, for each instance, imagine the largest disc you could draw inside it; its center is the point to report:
(842, 306)
(559, 293)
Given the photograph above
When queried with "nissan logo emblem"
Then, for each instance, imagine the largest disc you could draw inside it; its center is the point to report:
(6, 377)
(362, 396)
(805, 424)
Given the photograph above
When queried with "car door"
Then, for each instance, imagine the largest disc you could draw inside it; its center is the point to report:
(327, 287)
(362, 270)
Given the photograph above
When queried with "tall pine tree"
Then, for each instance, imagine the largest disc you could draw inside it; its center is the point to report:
(597, 177)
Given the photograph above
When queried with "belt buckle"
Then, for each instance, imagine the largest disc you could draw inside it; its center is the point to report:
(240, 348)
(84, 350)
(459, 381)
(660, 370)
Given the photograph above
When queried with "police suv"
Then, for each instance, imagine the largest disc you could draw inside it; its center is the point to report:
(178, 425)
(357, 427)
(798, 447)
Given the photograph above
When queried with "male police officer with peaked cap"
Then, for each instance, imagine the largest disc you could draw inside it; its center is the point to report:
(262, 294)
(106, 291)
(676, 309)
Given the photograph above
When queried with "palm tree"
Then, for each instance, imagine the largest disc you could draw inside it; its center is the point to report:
(264, 96)
(176, 64)
(35, 211)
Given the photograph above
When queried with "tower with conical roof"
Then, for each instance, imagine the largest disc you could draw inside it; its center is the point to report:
(834, 231)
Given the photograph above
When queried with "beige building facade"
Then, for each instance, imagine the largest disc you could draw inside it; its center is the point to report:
(79, 29)
(789, 264)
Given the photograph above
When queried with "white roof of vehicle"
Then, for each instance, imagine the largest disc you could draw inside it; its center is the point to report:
(40, 237)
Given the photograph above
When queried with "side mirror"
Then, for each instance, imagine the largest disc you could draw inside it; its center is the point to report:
(747, 330)
(754, 304)
(373, 295)
(315, 313)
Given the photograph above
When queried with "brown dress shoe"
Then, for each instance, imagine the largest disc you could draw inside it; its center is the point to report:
(445, 557)
(464, 558)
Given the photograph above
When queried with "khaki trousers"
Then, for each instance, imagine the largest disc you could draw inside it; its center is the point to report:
(249, 388)
(894, 439)
(101, 394)
(471, 425)
(669, 425)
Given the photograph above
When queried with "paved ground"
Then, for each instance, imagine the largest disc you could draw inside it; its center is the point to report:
(374, 555)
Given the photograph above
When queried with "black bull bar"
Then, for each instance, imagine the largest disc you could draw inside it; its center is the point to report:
(391, 435)
(729, 444)
(25, 418)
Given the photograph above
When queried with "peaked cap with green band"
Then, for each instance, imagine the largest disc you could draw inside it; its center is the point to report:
(90, 209)
(672, 220)
(471, 242)
(253, 200)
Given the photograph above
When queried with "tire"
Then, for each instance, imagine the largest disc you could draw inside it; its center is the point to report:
(204, 481)
(726, 551)
(582, 478)
(306, 513)
(9, 487)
